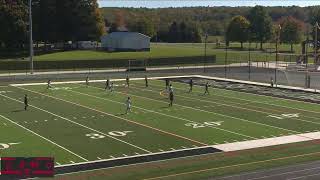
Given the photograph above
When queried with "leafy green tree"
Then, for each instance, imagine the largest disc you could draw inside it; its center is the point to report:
(314, 17)
(144, 26)
(238, 30)
(13, 20)
(261, 25)
(173, 33)
(291, 31)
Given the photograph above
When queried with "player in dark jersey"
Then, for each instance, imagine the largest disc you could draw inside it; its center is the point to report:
(127, 80)
(107, 84)
(190, 84)
(26, 104)
(167, 83)
(87, 81)
(49, 84)
(171, 98)
(146, 80)
(206, 88)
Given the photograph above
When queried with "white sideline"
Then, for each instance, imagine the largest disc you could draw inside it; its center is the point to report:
(259, 83)
(251, 144)
(93, 81)
(186, 76)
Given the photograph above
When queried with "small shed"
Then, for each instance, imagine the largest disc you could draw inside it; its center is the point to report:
(125, 41)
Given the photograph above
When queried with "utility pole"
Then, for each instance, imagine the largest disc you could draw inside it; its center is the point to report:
(249, 60)
(277, 54)
(205, 52)
(205, 44)
(225, 60)
(316, 43)
(31, 40)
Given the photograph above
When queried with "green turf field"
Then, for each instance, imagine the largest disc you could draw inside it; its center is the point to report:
(79, 123)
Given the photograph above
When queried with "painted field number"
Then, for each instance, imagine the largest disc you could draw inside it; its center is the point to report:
(6, 146)
(285, 116)
(111, 133)
(119, 133)
(205, 124)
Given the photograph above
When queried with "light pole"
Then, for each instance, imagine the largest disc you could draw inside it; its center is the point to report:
(316, 43)
(31, 40)
(249, 60)
(225, 60)
(205, 52)
(277, 53)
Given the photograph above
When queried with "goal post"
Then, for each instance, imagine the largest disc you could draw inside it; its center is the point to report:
(137, 65)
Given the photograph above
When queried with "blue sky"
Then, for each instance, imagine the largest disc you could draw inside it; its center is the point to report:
(188, 3)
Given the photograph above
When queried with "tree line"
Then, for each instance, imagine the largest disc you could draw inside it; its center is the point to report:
(255, 24)
(53, 21)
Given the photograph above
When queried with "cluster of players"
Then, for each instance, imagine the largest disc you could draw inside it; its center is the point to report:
(110, 86)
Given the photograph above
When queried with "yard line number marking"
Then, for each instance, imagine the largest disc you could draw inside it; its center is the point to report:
(6, 146)
(111, 133)
(285, 116)
(205, 124)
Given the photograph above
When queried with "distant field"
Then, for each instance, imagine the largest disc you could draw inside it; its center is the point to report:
(162, 50)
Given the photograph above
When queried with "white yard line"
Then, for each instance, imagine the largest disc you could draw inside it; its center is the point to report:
(251, 101)
(44, 138)
(219, 114)
(247, 109)
(80, 124)
(146, 126)
(245, 82)
(183, 119)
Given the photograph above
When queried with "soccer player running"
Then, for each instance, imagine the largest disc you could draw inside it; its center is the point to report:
(49, 84)
(171, 97)
(107, 84)
(87, 81)
(272, 82)
(170, 88)
(127, 80)
(167, 83)
(146, 80)
(206, 88)
(26, 104)
(128, 104)
(190, 84)
(111, 87)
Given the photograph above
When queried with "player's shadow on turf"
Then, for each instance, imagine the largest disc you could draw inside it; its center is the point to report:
(19, 110)
(121, 114)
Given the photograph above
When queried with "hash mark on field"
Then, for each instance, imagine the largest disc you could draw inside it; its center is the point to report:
(5, 124)
(99, 158)
(137, 153)
(93, 116)
(72, 162)
(194, 145)
(45, 120)
(58, 163)
(226, 141)
(183, 147)
(84, 117)
(161, 150)
(173, 149)
(74, 117)
(36, 121)
(125, 155)
(112, 157)
(55, 119)
(26, 122)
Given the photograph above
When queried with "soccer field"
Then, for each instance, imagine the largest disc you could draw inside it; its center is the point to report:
(77, 123)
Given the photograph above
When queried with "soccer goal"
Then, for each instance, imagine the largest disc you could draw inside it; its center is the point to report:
(137, 65)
